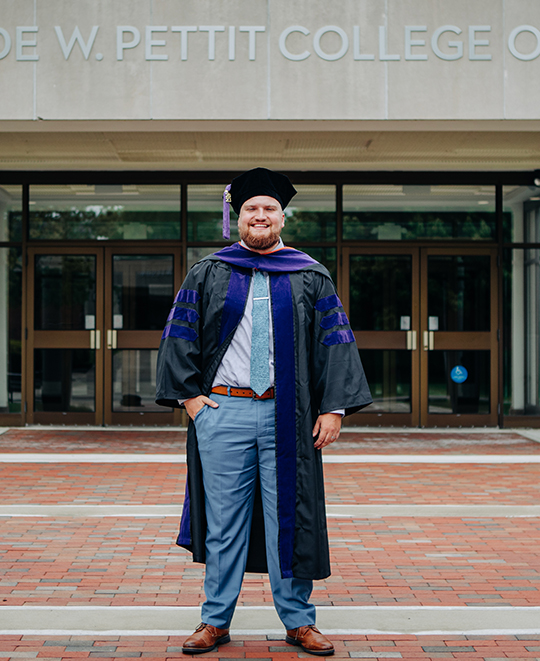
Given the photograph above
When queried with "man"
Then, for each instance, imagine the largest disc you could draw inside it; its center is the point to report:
(260, 352)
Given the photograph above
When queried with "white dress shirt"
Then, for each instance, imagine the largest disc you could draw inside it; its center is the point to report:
(235, 367)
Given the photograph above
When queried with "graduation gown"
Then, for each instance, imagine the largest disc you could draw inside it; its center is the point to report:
(317, 370)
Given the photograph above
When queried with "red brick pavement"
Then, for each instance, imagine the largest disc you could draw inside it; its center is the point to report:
(395, 561)
(95, 440)
(97, 484)
(433, 484)
(376, 442)
(161, 648)
(163, 484)
(399, 561)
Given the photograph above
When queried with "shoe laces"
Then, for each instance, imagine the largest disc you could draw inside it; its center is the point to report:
(307, 626)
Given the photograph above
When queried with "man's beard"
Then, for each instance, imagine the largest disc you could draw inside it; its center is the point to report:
(260, 242)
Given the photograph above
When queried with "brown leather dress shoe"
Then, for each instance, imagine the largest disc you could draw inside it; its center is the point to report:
(205, 639)
(311, 640)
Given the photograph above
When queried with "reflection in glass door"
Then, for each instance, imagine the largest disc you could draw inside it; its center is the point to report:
(64, 337)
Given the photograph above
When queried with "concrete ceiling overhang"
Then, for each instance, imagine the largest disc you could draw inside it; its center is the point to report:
(290, 145)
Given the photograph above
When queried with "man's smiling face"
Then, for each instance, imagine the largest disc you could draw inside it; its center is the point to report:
(260, 222)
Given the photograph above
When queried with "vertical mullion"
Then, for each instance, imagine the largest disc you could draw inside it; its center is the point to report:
(102, 293)
(183, 220)
(180, 272)
(500, 283)
(416, 325)
(339, 234)
(25, 394)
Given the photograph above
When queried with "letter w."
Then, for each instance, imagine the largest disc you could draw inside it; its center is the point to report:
(76, 36)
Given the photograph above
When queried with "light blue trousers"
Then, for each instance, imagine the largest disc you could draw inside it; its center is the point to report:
(233, 440)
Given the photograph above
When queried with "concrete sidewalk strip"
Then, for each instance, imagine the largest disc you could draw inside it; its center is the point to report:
(356, 511)
(433, 511)
(531, 434)
(128, 458)
(359, 620)
(480, 431)
(432, 459)
(90, 458)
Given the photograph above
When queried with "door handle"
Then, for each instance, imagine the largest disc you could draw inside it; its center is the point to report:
(111, 339)
(95, 339)
(429, 340)
(411, 340)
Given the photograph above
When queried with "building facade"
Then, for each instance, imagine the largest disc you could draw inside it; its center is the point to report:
(409, 127)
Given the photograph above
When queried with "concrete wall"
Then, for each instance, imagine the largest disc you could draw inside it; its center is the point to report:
(270, 59)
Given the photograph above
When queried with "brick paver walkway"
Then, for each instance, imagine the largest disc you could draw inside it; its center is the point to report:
(161, 648)
(163, 484)
(152, 484)
(389, 561)
(412, 562)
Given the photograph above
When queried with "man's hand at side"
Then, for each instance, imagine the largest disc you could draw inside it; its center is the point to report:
(327, 427)
(195, 404)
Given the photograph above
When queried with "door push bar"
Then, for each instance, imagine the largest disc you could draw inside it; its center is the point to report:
(429, 340)
(111, 339)
(411, 340)
(95, 339)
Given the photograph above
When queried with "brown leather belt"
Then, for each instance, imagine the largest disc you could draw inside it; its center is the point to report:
(243, 392)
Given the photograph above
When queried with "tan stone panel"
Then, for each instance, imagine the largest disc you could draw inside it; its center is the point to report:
(522, 93)
(437, 88)
(79, 88)
(319, 88)
(314, 88)
(200, 88)
(17, 77)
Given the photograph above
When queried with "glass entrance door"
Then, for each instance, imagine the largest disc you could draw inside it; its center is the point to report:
(65, 317)
(95, 322)
(459, 337)
(138, 294)
(380, 297)
(425, 322)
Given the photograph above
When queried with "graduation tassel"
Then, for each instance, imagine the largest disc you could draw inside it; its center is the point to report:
(227, 212)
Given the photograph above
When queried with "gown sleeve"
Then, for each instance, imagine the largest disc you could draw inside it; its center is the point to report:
(179, 363)
(338, 378)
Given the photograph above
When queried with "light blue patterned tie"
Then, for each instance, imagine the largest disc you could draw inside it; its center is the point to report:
(260, 367)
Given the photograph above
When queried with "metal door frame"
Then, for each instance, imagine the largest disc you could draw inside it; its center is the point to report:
(63, 339)
(124, 339)
(389, 339)
(103, 414)
(477, 340)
